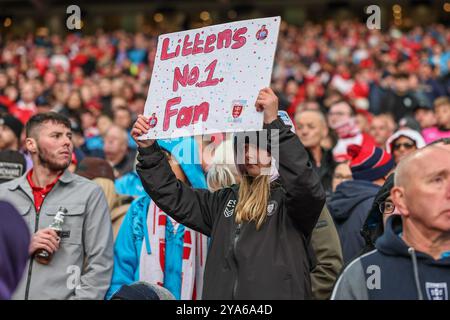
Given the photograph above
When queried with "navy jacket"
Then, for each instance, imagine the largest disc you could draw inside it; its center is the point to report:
(349, 206)
(394, 271)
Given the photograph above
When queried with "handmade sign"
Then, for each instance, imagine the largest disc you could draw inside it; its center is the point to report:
(206, 80)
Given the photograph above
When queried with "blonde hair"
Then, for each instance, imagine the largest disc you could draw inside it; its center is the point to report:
(222, 172)
(219, 176)
(440, 101)
(254, 196)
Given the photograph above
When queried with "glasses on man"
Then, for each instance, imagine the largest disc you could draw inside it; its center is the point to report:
(406, 145)
(386, 207)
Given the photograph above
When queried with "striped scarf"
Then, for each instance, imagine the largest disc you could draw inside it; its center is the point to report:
(152, 265)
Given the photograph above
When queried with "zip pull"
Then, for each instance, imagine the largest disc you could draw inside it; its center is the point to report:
(238, 229)
(412, 253)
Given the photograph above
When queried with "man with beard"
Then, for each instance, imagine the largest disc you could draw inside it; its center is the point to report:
(82, 253)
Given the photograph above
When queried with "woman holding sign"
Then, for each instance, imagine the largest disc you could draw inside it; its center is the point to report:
(259, 229)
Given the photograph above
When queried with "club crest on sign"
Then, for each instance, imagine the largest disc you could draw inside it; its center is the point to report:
(262, 33)
(153, 120)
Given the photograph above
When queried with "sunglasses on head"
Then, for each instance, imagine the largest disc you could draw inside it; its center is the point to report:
(406, 145)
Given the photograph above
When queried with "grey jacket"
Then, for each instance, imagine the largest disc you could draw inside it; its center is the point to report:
(82, 267)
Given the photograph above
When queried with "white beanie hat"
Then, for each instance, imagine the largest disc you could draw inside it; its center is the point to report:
(408, 133)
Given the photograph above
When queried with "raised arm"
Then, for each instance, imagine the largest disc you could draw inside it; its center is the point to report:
(194, 208)
(304, 192)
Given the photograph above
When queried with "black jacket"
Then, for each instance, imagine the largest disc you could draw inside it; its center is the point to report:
(243, 263)
(398, 106)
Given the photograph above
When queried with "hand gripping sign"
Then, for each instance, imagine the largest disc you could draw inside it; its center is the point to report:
(206, 80)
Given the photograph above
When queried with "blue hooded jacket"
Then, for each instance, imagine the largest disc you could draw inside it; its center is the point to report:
(349, 207)
(130, 185)
(133, 231)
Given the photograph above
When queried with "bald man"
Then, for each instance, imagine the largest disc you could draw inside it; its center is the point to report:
(412, 258)
(311, 128)
(117, 152)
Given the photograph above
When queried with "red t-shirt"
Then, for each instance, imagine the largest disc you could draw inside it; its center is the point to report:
(39, 193)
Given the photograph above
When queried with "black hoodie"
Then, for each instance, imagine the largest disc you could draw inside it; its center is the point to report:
(394, 271)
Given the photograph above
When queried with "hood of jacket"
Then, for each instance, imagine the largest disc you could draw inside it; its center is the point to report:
(186, 152)
(348, 195)
(390, 243)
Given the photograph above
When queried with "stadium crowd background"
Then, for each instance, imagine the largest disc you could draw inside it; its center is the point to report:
(387, 88)
(103, 78)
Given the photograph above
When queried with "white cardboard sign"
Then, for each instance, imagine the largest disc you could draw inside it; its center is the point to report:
(206, 80)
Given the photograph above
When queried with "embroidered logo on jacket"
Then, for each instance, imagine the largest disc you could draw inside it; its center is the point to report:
(229, 210)
(272, 207)
(437, 291)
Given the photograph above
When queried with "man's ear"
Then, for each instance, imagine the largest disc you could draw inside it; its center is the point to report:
(31, 145)
(398, 198)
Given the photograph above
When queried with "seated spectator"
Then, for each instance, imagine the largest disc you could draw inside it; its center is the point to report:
(382, 209)
(123, 118)
(26, 106)
(363, 120)
(412, 258)
(95, 144)
(117, 153)
(442, 130)
(381, 129)
(312, 129)
(351, 202)
(10, 132)
(342, 119)
(43, 104)
(424, 115)
(341, 173)
(399, 101)
(404, 142)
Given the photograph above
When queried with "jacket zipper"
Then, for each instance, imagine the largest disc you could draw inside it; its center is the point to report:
(235, 241)
(30, 268)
